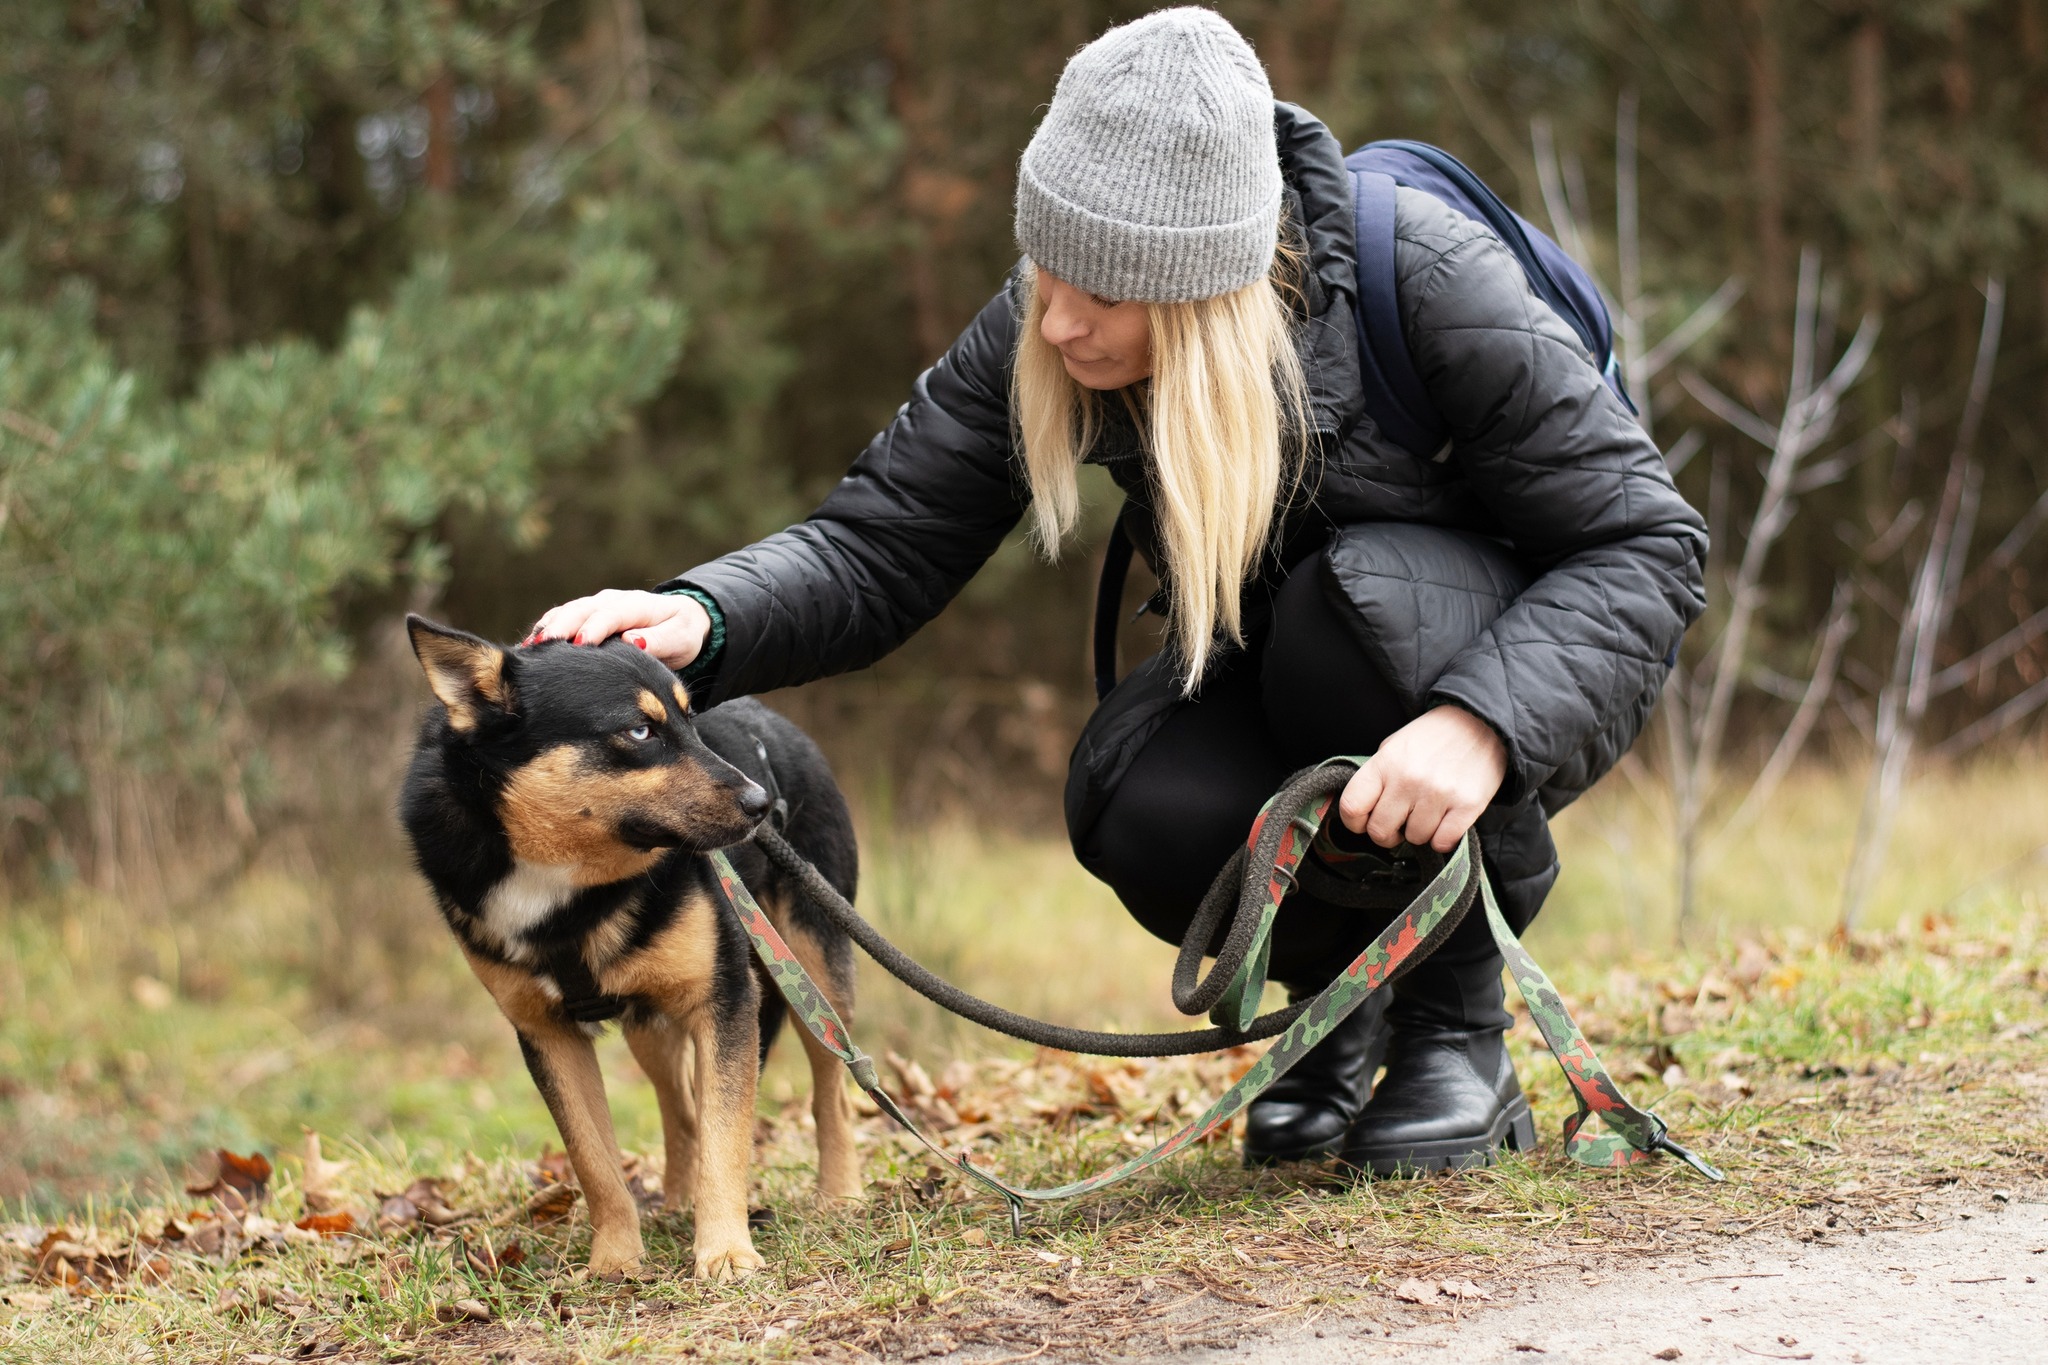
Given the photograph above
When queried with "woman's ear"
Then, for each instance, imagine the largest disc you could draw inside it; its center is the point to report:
(466, 673)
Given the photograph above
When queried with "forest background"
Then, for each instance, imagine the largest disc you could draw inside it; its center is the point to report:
(314, 312)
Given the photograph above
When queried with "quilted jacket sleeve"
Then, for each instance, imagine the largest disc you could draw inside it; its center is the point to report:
(1572, 481)
(920, 511)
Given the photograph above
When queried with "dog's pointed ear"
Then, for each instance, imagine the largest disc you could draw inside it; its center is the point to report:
(466, 673)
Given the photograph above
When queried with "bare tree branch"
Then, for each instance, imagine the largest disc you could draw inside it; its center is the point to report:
(1993, 654)
(1683, 449)
(1696, 325)
(1728, 410)
(1902, 704)
(1834, 636)
(2008, 551)
(1999, 721)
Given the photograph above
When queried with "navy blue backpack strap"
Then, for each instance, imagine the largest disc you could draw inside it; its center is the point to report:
(1395, 396)
(1399, 403)
(1109, 601)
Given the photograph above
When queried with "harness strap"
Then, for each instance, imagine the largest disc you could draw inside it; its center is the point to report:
(582, 1000)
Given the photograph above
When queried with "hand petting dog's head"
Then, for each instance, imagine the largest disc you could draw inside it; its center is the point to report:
(593, 749)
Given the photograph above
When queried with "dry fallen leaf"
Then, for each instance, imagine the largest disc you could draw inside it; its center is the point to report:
(328, 1224)
(911, 1079)
(1416, 1291)
(396, 1213)
(974, 1237)
(321, 1185)
(553, 1168)
(462, 1310)
(552, 1204)
(435, 1211)
(487, 1260)
(421, 1202)
(1464, 1289)
(242, 1182)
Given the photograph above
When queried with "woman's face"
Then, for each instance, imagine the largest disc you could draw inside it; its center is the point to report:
(1103, 343)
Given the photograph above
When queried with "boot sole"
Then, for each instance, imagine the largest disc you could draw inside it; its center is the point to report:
(1513, 1128)
(1321, 1151)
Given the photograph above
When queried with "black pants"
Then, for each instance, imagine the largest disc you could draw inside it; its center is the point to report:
(1302, 692)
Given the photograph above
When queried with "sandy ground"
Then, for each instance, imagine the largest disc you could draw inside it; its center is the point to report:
(1970, 1286)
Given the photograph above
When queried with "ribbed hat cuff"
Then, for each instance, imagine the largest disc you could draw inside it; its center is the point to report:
(1152, 264)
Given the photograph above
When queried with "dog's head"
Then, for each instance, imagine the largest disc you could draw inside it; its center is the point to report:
(592, 750)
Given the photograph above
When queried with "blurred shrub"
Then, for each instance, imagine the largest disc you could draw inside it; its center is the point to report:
(162, 561)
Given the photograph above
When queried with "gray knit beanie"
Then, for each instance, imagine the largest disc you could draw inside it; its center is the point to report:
(1154, 175)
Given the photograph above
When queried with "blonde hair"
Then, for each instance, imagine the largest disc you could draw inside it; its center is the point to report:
(1224, 429)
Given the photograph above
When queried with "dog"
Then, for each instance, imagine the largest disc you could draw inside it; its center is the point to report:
(560, 803)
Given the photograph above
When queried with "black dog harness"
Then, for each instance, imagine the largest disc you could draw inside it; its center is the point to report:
(561, 959)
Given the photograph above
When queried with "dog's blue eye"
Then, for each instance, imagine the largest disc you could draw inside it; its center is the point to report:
(639, 734)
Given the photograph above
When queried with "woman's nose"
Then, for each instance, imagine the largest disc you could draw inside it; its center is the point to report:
(1061, 327)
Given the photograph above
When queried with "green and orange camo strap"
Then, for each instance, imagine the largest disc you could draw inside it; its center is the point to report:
(1606, 1131)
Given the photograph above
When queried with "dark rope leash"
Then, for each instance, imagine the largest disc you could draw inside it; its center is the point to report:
(1261, 876)
(1240, 962)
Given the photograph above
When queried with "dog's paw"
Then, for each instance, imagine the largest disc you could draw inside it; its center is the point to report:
(727, 1264)
(615, 1257)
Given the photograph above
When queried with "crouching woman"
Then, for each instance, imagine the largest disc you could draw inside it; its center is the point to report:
(1491, 622)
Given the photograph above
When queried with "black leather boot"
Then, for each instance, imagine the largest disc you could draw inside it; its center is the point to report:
(1450, 1099)
(1305, 1114)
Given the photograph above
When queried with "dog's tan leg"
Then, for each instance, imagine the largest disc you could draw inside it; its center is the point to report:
(662, 1050)
(838, 1158)
(564, 1066)
(728, 1063)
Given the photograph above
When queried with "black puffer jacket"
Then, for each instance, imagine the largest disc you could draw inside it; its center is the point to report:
(1539, 573)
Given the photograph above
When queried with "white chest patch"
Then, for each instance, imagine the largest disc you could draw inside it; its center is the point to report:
(528, 895)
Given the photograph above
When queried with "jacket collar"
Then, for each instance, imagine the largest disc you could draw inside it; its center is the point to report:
(1312, 164)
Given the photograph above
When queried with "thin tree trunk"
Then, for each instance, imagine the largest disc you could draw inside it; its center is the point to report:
(636, 80)
(913, 112)
(1866, 103)
(439, 102)
(1767, 155)
(206, 284)
(208, 288)
(1903, 702)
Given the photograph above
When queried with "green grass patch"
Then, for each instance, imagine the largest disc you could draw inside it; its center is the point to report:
(1838, 1085)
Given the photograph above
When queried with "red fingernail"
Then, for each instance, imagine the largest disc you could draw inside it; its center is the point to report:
(639, 642)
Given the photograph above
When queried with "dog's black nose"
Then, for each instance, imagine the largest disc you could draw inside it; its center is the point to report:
(754, 801)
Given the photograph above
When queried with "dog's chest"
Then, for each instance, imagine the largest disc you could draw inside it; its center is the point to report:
(522, 902)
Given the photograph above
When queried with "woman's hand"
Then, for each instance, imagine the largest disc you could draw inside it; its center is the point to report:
(672, 629)
(1428, 782)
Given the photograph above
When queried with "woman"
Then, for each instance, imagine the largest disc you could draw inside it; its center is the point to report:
(1492, 625)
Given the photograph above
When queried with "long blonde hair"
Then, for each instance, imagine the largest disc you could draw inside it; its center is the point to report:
(1224, 429)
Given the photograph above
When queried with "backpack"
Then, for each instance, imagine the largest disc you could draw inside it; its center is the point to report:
(1395, 397)
(1394, 394)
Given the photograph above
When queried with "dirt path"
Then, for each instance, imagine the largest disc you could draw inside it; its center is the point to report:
(1971, 1285)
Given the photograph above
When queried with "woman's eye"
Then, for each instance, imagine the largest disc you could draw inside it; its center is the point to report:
(640, 734)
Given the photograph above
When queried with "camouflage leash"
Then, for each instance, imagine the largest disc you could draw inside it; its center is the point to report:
(1607, 1130)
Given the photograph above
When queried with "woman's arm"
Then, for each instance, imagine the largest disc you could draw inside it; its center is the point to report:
(1575, 483)
(921, 510)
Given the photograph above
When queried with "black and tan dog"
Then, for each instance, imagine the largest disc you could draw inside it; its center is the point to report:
(560, 801)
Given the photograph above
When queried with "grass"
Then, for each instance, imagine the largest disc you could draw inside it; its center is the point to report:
(1831, 1083)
